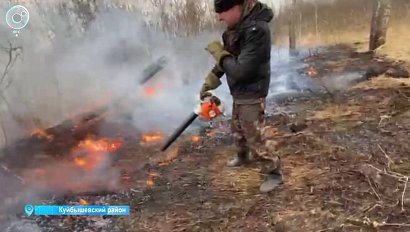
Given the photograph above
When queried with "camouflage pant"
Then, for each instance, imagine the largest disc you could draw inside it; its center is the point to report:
(248, 120)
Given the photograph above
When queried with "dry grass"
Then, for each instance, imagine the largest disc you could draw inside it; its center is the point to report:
(347, 21)
(382, 82)
(332, 112)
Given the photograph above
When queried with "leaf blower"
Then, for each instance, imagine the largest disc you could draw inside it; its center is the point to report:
(208, 109)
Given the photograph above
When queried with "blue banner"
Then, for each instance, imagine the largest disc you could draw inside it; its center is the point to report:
(81, 210)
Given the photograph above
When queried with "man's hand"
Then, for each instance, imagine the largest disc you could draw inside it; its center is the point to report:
(211, 82)
(217, 51)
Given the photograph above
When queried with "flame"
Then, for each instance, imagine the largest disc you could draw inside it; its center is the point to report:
(151, 176)
(90, 153)
(83, 202)
(42, 134)
(152, 137)
(100, 145)
(149, 91)
(150, 182)
(195, 138)
(311, 71)
(80, 162)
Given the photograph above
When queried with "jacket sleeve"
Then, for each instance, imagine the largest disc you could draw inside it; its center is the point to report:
(212, 80)
(217, 71)
(246, 65)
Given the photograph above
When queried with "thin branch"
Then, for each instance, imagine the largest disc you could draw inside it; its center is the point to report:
(394, 224)
(4, 132)
(402, 195)
(10, 63)
(372, 208)
(373, 224)
(391, 174)
(374, 190)
(11, 80)
(389, 160)
(10, 52)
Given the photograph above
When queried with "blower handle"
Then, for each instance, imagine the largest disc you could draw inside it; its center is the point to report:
(179, 130)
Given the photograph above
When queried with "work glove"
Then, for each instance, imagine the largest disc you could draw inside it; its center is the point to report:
(211, 82)
(217, 51)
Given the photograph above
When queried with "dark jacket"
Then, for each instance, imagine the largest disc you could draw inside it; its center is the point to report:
(248, 72)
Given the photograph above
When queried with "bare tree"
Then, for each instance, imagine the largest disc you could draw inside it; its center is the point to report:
(292, 29)
(5, 82)
(379, 24)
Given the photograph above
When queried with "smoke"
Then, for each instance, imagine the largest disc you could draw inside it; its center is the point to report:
(63, 72)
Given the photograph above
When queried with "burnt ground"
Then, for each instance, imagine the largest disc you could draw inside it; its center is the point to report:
(348, 170)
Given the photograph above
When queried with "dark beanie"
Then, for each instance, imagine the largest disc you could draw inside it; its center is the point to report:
(224, 5)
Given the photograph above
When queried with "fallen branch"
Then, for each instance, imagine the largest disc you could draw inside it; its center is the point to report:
(372, 208)
(374, 224)
(389, 160)
(391, 224)
(374, 190)
(402, 195)
(398, 176)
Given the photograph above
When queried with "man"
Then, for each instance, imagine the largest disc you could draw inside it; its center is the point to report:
(244, 58)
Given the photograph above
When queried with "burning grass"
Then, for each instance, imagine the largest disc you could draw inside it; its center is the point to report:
(87, 168)
(152, 138)
(152, 175)
(40, 133)
(196, 138)
(91, 153)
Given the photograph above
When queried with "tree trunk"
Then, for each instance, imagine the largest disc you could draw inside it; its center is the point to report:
(379, 24)
(292, 29)
(316, 22)
(3, 130)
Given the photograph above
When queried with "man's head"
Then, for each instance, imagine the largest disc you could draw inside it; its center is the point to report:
(229, 11)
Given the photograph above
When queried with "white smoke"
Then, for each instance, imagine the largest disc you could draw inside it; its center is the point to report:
(62, 72)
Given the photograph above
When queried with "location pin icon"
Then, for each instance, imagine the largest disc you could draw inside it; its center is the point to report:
(29, 209)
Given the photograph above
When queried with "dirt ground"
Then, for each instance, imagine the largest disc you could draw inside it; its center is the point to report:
(347, 171)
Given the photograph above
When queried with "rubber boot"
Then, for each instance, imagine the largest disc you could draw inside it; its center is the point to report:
(240, 159)
(272, 180)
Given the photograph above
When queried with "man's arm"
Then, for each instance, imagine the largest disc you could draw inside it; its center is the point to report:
(246, 65)
(217, 71)
(212, 80)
